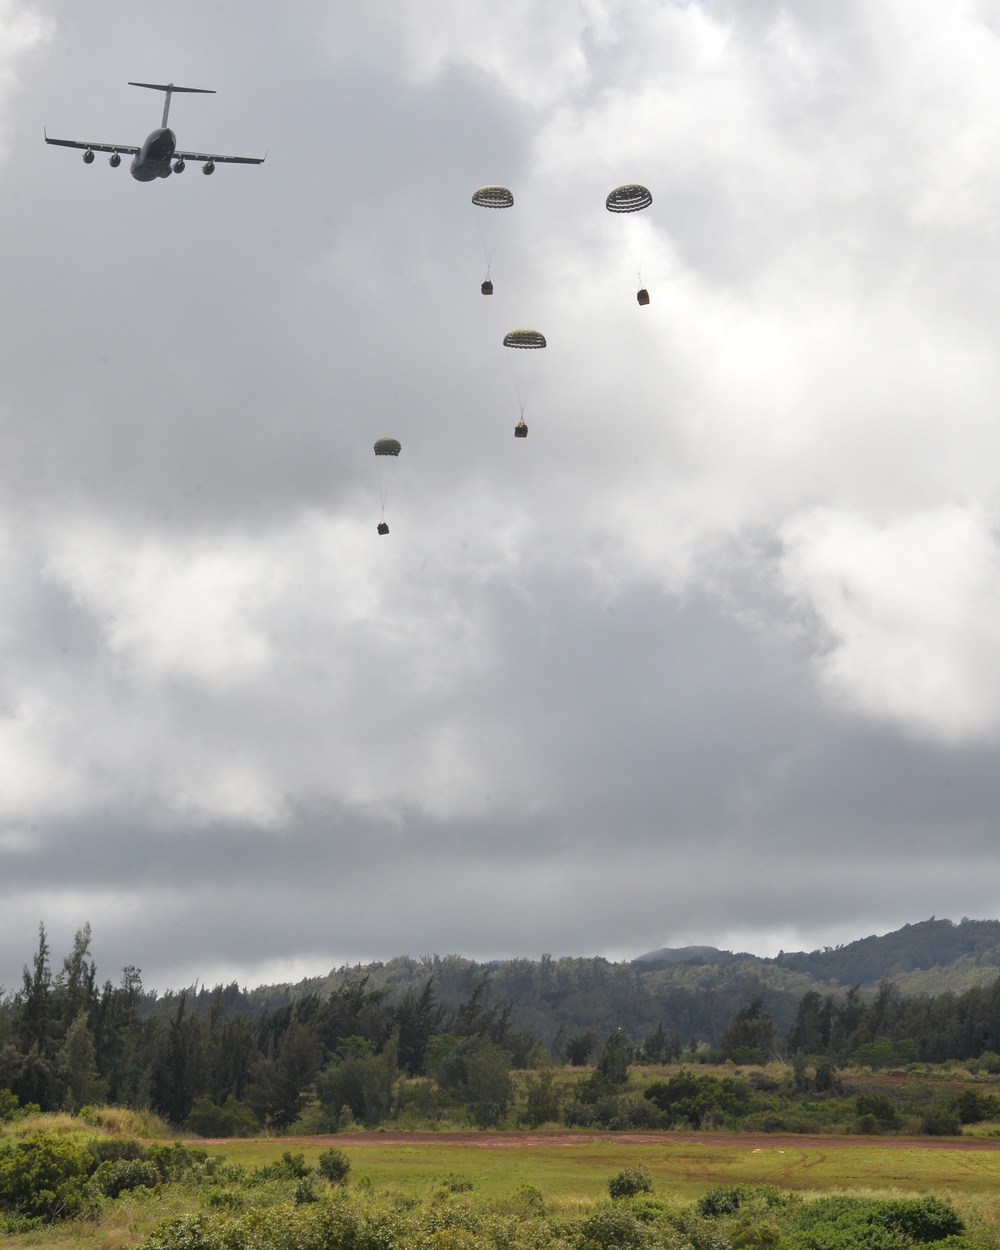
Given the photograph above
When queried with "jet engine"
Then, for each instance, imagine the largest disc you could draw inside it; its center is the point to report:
(208, 167)
(179, 166)
(114, 160)
(88, 157)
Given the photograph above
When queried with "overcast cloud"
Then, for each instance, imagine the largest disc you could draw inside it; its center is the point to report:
(712, 656)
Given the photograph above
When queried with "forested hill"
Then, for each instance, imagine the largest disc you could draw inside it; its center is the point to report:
(693, 991)
(954, 955)
(955, 951)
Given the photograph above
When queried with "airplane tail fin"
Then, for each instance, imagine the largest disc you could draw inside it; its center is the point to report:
(169, 88)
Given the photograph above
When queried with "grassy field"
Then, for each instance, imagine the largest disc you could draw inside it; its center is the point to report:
(572, 1173)
(579, 1170)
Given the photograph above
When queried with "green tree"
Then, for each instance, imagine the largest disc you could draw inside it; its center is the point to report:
(232, 1119)
(750, 1035)
(579, 1047)
(77, 1067)
(361, 1080)
(334, 1166)
(612, 1063)
(542, 1098)
(630, 1181)
(477, 1074)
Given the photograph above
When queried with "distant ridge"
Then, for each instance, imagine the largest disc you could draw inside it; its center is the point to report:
(691, 991)
(965, 953)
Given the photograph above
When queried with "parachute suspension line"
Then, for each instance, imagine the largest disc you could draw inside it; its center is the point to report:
(626, 202)
(491, 222)
(523, 361)
(386, 454)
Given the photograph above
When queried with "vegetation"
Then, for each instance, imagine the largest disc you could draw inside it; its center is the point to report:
(225, 1064)
(173, 1197)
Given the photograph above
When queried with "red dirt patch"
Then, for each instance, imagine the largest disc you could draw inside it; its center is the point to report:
(509, 1141)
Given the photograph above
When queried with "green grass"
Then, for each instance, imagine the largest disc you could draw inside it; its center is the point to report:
(572, 1174)
(579, 1170)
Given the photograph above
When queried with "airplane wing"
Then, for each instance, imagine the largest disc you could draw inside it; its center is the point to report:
(218, 160)
(124, 148)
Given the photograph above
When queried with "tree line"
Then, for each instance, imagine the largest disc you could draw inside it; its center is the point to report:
(223, 1061)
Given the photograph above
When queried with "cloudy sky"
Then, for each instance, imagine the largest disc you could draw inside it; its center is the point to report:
(712, 656)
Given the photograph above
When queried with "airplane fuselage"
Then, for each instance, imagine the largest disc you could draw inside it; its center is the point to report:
(154, 157)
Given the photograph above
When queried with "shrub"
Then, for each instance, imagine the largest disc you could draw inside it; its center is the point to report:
(334, 1165)
(878, 1107)
(43, 1177)
(729, 1199)
(116, 1176)
(693, 1098)
(578, 1114)
(871, 1224)
(305, 1190)
(290, 1168)
(990, 1062)
(611, 1228)
(187, 1232)
(941, 1121)
(108, 1149)
(232, 1119)
(629, 1182)
(176, 1160)
(8, 1105)
(972, 1107)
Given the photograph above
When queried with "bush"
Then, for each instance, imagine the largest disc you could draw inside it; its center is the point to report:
(116, 1176)
(972, 1107)
(611, 1228)
(334, 1165)
(729, 1199)
(8, 1106)
(176, 1160)
(305, 1190)
(629, 1182)
(878, 1107)
(43, 1177)
(108, 1149)
(291, 1168)
(941, 1121)
(692, 1098)
(232, 1119)
(990, 1062)
(578, 1114)
(872, 1224)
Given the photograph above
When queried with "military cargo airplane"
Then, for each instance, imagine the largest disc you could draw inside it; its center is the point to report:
(159, 156)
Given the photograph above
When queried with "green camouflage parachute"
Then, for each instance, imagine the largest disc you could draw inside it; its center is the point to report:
(630, 198)
(493, 197)
(524, 338)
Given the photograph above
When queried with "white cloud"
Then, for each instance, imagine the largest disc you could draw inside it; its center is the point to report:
(909, 604)
(23, 29)
(186, 609)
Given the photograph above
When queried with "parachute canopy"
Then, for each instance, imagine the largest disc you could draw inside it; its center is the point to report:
(493, 197)
(524, 338)
(388, 447)
(628, 199)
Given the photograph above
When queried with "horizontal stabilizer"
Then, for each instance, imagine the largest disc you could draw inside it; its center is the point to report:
(169, 86)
